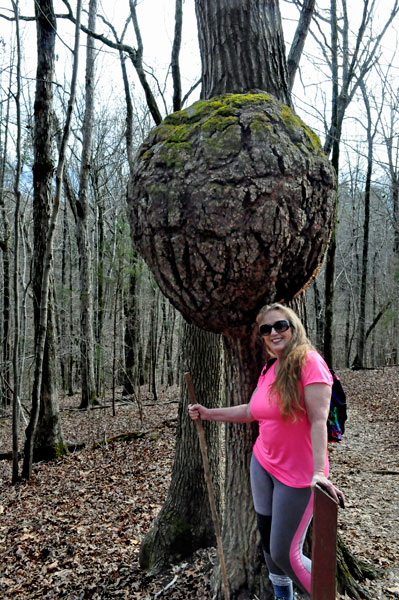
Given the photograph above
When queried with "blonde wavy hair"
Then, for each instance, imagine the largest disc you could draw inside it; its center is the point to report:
(291, 361)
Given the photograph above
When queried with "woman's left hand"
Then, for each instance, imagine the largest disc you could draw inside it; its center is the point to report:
(329, 487)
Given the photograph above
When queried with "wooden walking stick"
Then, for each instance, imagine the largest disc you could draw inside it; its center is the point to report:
(211, 493)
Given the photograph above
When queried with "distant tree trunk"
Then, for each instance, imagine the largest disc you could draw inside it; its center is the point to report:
(5, 394)
(358, 362)
(318, 316)
(63, 304)
(100, 291)
(334, 140)
(168, 320)
(153, 342)
(395, 204)
(16, 351)
(45, 215)
(131, 380)
(298, 42)
(390, 138)
(71, 352)
(82, 210)
(130, 383)
(44, 411)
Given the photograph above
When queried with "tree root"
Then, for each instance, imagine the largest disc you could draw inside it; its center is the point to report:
(351, 572)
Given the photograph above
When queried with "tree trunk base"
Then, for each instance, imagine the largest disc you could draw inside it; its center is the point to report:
(351, 572)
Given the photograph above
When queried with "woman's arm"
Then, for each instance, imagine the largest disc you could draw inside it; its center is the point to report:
(228, 414)
(317, 404)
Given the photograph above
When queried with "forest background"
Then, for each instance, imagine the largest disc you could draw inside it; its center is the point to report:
(367, 221)
(102, 299)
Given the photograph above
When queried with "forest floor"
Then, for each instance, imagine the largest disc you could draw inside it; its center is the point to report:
(74, 530)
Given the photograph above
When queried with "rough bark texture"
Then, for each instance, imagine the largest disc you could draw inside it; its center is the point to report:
(231, 204)
(245, 566)
(242, 47)
(185, 522)
(48, 437)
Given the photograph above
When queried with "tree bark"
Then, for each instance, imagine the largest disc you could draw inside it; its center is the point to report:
(45, 214)
(17, 370)
(242, 48)
(88, 385)
(185, 522)
(244, 357)
(40, 441)
(5, 242)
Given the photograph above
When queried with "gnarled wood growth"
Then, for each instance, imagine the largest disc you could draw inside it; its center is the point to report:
(231, 206)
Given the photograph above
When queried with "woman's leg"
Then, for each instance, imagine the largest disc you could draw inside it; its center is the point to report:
(262, 485)
(292, 512)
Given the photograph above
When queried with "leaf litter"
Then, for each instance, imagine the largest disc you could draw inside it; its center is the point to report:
(74, 530)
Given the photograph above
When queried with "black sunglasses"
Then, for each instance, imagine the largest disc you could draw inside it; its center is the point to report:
(278, 326)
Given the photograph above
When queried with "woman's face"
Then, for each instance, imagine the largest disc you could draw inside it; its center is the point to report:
(276, 341)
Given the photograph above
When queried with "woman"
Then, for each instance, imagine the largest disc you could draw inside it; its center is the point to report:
(291, 403)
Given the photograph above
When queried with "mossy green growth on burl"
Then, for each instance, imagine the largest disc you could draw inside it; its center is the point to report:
(220, 115)
(291, 120)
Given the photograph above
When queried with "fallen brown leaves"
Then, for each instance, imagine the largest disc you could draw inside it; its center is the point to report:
(74, 530)
(362, 465)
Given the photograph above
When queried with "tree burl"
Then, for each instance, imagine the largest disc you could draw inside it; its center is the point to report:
(231, 204)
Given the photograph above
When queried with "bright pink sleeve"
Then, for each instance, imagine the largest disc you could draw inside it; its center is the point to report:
(315, 370)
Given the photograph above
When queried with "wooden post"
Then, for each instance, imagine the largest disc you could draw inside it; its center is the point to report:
(324, 546)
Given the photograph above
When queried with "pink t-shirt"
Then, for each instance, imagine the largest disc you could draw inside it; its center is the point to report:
(284, 447)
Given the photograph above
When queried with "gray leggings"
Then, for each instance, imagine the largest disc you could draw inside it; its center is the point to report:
(283, 514)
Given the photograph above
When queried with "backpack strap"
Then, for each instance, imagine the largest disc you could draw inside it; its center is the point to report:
(269, 364)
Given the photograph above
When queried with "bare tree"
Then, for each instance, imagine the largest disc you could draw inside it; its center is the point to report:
(349, 67)
(83, 235)
(371, 129)
(390, 137)
(45, 221)
(17, 192)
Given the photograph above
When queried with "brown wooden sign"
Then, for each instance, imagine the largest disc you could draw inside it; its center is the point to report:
(324, 546)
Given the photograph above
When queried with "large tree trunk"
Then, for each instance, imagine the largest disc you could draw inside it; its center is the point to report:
(45, 214)
(244, 357)
(48, 439)
(242, 47)
(203, 265)
(185, 522)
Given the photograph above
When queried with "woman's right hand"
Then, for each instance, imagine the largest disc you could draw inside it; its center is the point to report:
(197, 411)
